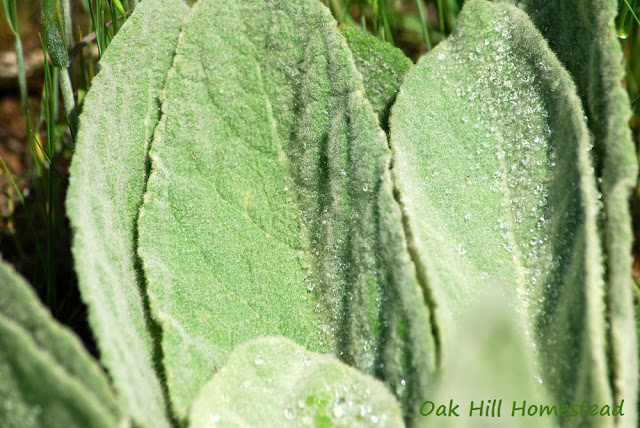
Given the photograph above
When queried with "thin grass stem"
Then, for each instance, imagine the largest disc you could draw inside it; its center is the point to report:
(67, 97)
(11, 14)
(385, 22)
(44, 153)
(22, 75)
(441, 18)
(423, 23)
(363, 18)
(632, 11)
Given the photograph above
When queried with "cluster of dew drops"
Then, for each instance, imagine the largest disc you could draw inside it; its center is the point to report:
(344, 403)
(514, 123)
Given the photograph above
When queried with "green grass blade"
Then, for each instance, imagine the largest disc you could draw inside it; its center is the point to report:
(388, 36)
(624, 18)
(11, 14)
(423, 24)
(441, 19)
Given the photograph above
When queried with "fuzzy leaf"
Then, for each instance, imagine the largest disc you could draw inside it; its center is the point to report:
(269, 210)
(383, 68)
(19, 304)
(108, 178)
(583, 36)
(492, 169)
(54, 35)
(37, 391)
(295, 388)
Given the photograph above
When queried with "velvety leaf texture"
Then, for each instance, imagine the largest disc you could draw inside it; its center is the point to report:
(19, 304)
(295, 388)
(382, 66)
(108, 178)
(269, 210)
(54, 33)
(492, 167)
(583, 36)
(38, 392)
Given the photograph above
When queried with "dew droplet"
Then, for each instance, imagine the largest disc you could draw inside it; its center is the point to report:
(289, 414)
(340, 409)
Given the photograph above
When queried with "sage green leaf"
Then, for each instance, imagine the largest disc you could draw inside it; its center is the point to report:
(54, 36)
(293, 388)
(490, 372)
(583, 36)
(37, 391)
(382, 66)
(269, 210)
(492, 169)
(108, 177)
(19, 304)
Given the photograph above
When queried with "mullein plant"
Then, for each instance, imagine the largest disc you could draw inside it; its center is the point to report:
(285, 222)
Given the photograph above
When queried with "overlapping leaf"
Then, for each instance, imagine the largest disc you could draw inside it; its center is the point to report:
(583, 36)
(382, 66)
(493, 171)
(47, 379)
(19, 304)
(108, 178)
(269, 210)
(295, 388)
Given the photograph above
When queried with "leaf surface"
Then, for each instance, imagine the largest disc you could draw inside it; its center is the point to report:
(270, 210)
(383, 68)
(108, 177)
(19, 304)
(583, 36)
(37, 391)
(492, 167)
(491, 361)
(295, 388)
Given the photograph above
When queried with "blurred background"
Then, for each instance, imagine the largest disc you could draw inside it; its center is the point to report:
(36, 137)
